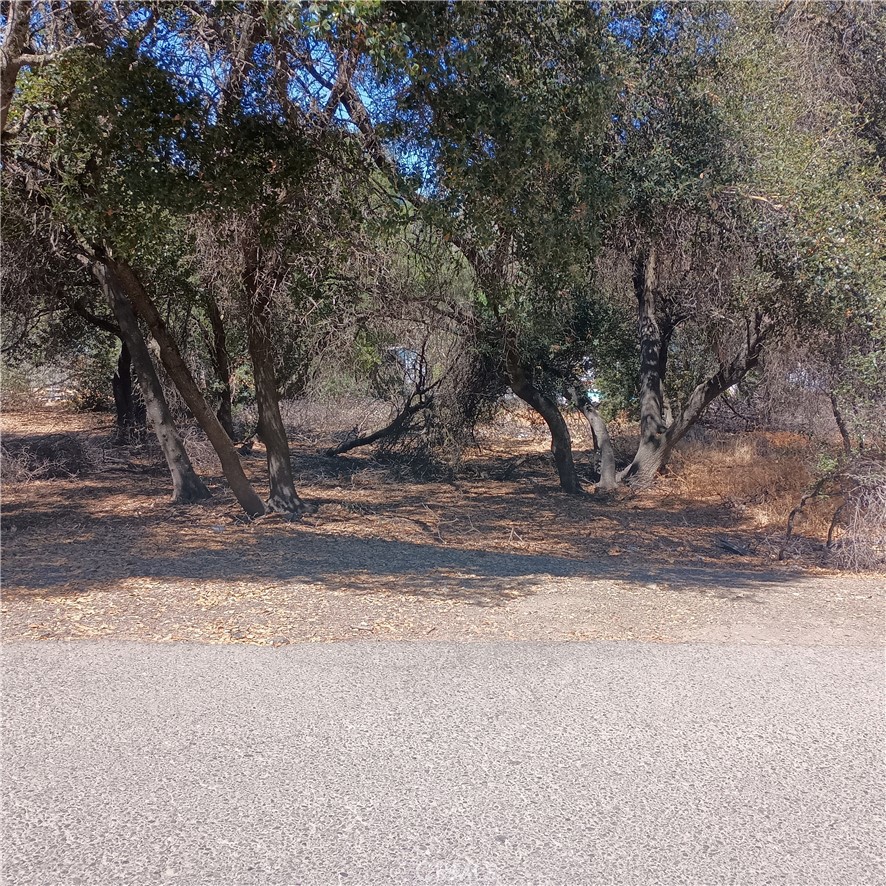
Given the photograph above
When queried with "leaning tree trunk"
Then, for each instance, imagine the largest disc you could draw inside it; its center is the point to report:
(284, 499)
(222, 366)
(187, 387)
(561, 442)
(186, 485)
(600, 433)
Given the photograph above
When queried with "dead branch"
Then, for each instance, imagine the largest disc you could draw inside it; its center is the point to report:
(393, 429)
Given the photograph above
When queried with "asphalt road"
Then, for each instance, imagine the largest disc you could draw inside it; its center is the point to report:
(512, 763)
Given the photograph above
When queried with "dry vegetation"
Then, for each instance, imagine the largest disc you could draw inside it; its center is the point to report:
(97, 550)
(760, 476)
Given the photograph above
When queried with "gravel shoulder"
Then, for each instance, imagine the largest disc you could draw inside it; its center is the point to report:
(291, 585)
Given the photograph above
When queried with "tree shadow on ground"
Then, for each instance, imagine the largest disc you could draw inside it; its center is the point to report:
(482, 540)
(358, 566)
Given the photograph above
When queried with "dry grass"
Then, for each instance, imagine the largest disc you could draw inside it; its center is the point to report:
(759, 475)
(24, 464)
(763, 477)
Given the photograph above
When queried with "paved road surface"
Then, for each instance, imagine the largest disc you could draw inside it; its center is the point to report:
(512, 763)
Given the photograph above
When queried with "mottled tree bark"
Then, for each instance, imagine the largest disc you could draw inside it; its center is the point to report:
(602, 442)
(653, 361)
(653, 457)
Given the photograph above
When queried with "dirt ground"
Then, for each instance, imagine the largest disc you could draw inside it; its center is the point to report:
(497, 553)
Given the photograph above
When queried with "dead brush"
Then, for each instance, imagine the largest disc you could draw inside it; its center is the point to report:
(200, 450)
(758, 475)
(856, 538)
(47, 457)
(313, 422)
(24, 467)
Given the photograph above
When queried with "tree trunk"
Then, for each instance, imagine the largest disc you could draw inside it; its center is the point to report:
(187, 387)
(222, 362)
(653, 358)
(561, 442)
(284, 499)
(130, 413)
(186, 485)
(15, 36)
(666, 331)
(841, 424)
(653, 364)
(653, 454)
(602, 442)
(650, 457)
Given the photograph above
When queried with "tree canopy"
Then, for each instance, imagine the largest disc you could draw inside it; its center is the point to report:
(635, 200)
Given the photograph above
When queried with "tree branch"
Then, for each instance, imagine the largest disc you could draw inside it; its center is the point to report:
(394, 429)
(79, 308)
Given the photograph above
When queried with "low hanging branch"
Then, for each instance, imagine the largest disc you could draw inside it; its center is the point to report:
(421, 398)
(79, 308)
(394, 429)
